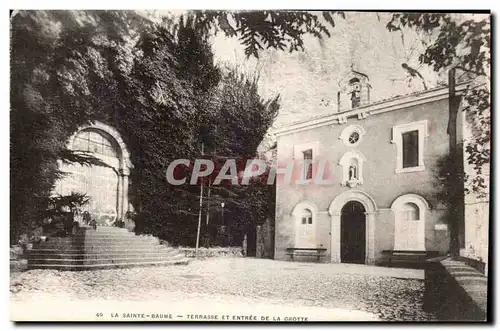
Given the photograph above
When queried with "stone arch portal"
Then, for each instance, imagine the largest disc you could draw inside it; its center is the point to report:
(335, 211)
(107, 187)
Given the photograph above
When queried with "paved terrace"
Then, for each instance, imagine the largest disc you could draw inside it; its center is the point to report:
(237, 287)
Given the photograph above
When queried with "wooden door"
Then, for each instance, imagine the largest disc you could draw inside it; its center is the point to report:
(353, 233)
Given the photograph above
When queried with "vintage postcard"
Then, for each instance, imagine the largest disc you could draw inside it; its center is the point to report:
(249, 166)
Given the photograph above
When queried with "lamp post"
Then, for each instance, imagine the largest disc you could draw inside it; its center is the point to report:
(222, 204)
(199, 214)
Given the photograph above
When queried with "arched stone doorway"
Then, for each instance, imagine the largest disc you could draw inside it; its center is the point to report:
(353, 233)
(335, 211)
(107, 187)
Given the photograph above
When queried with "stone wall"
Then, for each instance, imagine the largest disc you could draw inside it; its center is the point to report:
(455, 291)
(212, 252)
(476, 232)
(477, 207)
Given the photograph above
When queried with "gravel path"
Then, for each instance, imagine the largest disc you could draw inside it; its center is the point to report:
(234, 281)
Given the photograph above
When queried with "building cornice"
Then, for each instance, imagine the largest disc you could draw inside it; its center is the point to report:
(381, 107)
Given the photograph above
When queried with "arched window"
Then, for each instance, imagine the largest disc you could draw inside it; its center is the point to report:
(94, 142)
(411, 212)
(409, 222)
(304, 215)
(353, 80)
(307, 217)
(355, 89)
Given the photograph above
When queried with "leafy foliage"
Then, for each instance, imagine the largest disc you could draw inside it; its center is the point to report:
(158, 87)
(63, 65)
(72, 202)
(478, 150)
(466, 44)
(264, 29)
(449, 179)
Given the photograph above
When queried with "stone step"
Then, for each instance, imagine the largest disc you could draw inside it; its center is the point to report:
(93, 243)
(81, 254)
(109, 236)
(101, 249)
(408, 258)
(119, 260)
(124, 243)
(104, 248)
(120, 242)
(110, 229)
(67, 267)
(106, 231)
(60, 243)
(102, 255)
(114, 237)
(408, 264)
(97, 234)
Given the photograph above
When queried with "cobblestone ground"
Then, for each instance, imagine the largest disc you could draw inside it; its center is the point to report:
(322, 286)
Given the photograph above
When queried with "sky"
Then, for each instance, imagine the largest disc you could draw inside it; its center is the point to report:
(308, 79)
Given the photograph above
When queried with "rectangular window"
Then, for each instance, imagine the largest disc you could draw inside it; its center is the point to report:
(410, 149)
(304, 220)
(308, 156)
(309, 220)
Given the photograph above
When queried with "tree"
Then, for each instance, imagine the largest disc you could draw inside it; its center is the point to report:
(266, 29)
(243, 121)
(160, 89)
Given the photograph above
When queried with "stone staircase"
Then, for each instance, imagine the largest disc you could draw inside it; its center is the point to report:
(104, 248)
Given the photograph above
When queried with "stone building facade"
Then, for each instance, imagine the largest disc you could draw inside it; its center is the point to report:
(380, 160)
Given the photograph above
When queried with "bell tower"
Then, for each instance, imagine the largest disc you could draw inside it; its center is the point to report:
(354, 91)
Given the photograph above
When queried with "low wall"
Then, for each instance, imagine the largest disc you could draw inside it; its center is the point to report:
(455, 291)
(18, 265)
(18, 261)
(213, 252)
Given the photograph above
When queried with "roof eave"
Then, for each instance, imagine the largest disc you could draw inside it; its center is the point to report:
(368, 110)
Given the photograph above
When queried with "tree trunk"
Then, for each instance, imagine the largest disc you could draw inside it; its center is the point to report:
(455, 216)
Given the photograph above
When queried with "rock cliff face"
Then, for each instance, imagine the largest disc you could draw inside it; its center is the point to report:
(308, 81)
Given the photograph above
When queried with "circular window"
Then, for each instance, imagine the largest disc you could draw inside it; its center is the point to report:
(353, 137)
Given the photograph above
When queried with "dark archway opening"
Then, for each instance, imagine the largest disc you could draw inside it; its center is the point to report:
(353, 233)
